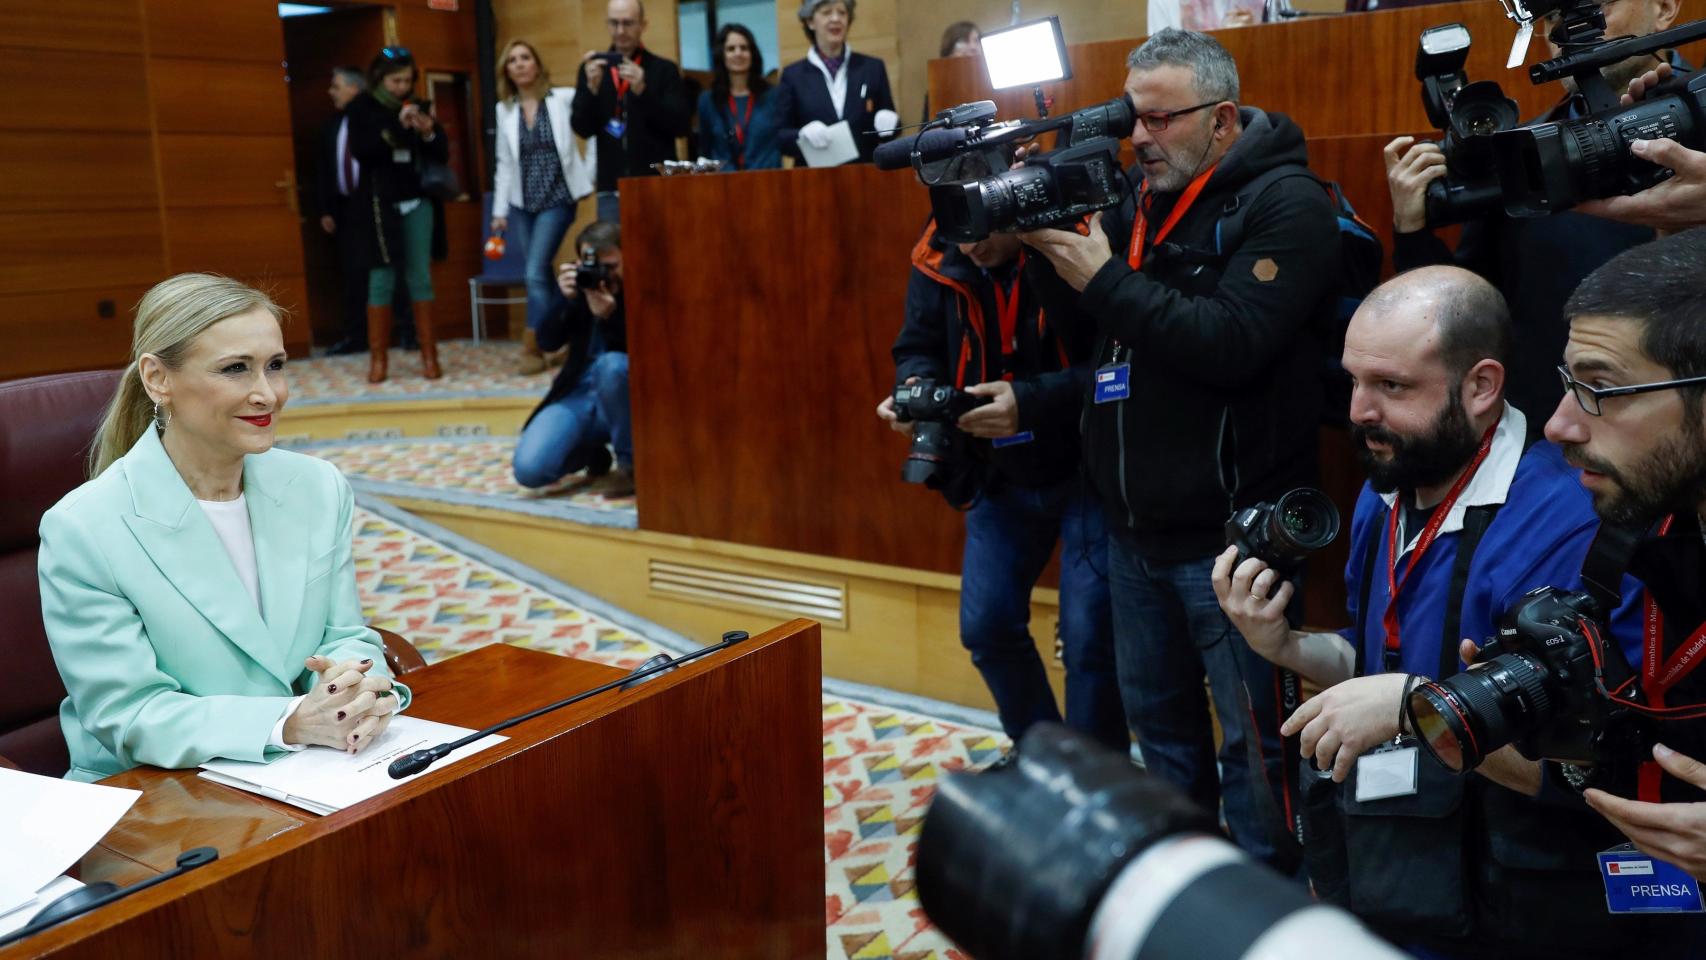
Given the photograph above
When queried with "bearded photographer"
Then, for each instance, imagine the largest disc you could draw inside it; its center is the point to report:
(1206, 400)
(1534, 262)
(973, 320)
(1490, 865)
(1634, 421)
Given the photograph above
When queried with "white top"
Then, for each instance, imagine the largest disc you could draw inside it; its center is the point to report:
(578, 166)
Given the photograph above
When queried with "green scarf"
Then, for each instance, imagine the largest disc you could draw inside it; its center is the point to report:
(386, 100)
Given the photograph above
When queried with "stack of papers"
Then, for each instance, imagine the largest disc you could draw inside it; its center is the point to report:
(841, 148)
(46, 825)
(324, 780)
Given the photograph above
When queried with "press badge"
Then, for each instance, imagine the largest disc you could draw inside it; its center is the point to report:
(615, 128)
(402, 155)
(1638, 883)
(1013, 441)
(1387, 772)
(1113, 383)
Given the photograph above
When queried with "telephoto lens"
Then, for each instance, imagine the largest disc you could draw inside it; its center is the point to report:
(1072, 853)
(1462, 719)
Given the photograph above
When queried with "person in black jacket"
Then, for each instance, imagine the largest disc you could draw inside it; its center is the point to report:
(833, 84)
(1206, 400)
(632, 101)
(1534, 262)
(336, 177)
(973, 321)
(587, 405)
(392, 136)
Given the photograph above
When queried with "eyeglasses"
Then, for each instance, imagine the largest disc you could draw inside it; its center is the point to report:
(622, 24)
(1157, 120)
(396, 53)
(1591, 397)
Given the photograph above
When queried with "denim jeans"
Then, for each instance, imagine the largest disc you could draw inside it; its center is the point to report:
(1010, 533)
(563, 437)
(1169, 632)
(539, 235)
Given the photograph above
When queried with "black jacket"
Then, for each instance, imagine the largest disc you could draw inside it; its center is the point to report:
(586, 336)
(802, 95)
(952, 335)
(1224, 351)
(327, 199)
(652, 120)
(390, 156)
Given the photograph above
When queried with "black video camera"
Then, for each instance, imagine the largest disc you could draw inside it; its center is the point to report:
(1546, 684)
(590, 273)
(1053, 189)
(1282, 534)
(1542, 168)
(937, 458)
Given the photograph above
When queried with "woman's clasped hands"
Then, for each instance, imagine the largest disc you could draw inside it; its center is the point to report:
(346, 708)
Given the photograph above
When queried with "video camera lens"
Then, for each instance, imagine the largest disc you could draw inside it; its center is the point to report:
(1464, 718)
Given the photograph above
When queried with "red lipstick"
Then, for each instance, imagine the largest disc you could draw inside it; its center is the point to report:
(264, 420)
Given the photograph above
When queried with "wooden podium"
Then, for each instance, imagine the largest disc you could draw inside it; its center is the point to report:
(682, 818)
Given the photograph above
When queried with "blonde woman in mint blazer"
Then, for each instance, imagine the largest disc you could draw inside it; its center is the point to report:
(199, 591)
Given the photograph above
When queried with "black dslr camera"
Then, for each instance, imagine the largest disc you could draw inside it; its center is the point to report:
(1546, 685)
(1053, 189)
(938, 454)
(1543, 168)
(1282, 534)
(590, 274)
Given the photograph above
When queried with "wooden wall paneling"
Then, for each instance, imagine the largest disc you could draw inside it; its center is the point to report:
(215, 96)
(291, 293)
(60, 331)
(212, 170)
(68, 90)
(450, 276)
(439, 39)
(41, 252)
(251, 241)
(244, 30)
(66, 170)
(794, 457)
(87, 26)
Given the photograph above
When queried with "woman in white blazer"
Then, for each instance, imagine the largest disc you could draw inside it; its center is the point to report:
(541, 174)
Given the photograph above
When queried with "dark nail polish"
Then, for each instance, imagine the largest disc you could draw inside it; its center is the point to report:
(367, 661)
(340, 714)
(332, 689)
(358, 736)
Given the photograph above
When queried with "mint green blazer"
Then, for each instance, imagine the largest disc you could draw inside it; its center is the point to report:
(165, 659)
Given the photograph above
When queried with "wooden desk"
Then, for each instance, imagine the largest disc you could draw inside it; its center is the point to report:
(679, 819)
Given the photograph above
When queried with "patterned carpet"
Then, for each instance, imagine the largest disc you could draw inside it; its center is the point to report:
(483, 369)
(880, 764)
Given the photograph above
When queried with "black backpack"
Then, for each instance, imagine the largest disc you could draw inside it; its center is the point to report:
(1360, 258)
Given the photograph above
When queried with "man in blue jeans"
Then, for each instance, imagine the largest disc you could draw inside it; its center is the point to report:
(974, 322)
(587, 405)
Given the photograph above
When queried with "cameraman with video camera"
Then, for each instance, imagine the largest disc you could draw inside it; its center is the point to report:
(1461, 516)
(587, 405)
(1206, 399)
(1534, 262)
(974, 322)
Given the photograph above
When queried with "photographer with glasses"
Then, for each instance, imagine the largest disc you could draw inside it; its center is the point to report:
(630, 102)
(1206, 398)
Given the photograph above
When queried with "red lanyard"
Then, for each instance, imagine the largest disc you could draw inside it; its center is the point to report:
(622, 84)
(740, 127)
(1657, 680)
(1007, 311)
(1394, 583)
(1138, 229)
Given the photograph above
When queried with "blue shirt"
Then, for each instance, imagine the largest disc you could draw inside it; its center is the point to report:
(717, 136)
(1538, 538)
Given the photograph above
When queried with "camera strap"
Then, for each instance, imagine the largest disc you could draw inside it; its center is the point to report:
(1430, 532)
(1007, 314)
(1657, 679)
(1140, 226)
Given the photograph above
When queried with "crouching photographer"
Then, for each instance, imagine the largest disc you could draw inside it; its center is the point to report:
(1461, 517)
(990, 390)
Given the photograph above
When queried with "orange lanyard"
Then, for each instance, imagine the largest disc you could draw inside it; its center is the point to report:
(1139, 228)
(1007, 311)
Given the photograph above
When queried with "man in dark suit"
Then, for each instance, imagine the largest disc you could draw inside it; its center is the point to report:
(833, 84)
(339, 177)
(631, 100)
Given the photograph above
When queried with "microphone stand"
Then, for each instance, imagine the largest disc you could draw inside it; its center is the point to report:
(421, 759)
(97, 895)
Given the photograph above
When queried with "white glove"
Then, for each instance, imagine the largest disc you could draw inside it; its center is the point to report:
(815, 134)
(886, 122)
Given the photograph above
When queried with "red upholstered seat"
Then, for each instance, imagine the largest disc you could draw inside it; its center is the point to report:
(46, 427)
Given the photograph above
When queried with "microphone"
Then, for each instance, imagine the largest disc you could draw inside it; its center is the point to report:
(95, 895)
(421, 759)
(932, 145)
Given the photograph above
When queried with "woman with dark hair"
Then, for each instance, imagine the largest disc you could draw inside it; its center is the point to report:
(961, 39)
(393, 136)
(737, 121)
(833, 85)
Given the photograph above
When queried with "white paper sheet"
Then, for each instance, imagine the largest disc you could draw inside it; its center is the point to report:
(841, 148)
(324, 780)
(24, 913)
(46, 825)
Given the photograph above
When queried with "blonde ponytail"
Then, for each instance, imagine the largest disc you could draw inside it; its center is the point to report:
(169, 318)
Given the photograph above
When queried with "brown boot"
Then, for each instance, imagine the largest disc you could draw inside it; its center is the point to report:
(532, 360)
(378, 343)
(556, 358)
(428, 339)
